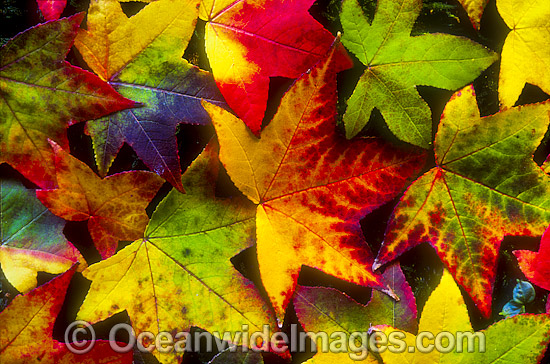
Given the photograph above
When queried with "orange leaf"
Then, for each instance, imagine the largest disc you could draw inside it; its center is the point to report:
(114, 206)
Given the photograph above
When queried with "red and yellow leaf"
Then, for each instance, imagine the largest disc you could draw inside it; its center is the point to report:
(311, 185)
(249, 41)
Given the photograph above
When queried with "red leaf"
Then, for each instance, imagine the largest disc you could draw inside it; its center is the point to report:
(249, 41)
(27, 328)
(51, 9)
(536, 265)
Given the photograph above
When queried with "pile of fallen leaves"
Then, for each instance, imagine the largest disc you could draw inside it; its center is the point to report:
(194, 160)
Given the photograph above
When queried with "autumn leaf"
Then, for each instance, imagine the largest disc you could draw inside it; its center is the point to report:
(180, 273)
(535, 265)
(113, 41)
(397, 63)
(141, 57)
(114, 206)
(40, 93)
(485, 186)
(32, 238)
(474, 8)
(249, 41)
(311, 186)
(332, 312)
(51, 9)
(525, 54)
(27, 328)
(445, 312)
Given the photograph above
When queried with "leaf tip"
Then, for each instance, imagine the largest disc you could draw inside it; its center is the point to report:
(390, 292)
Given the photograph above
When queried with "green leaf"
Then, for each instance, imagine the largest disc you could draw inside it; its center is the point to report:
(397, 63)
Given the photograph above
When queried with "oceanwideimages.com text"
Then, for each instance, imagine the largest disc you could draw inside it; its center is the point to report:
(80, 339)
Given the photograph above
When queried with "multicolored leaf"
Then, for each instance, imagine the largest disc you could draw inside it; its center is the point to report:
(525, 54)
(183, 261)
(114, 206)
(310, 185)
(329, 311)
(249, 41)
(40, 94)
(397, 63)
(445, 313)
(32, 238)
(485, 186)
(141, 57)
(535, 265)
(27, 328)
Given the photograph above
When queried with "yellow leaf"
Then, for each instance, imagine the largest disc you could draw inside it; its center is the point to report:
(526, 51)
(113, 40)
(445, 334)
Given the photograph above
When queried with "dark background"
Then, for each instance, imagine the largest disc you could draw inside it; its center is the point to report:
(421, 265)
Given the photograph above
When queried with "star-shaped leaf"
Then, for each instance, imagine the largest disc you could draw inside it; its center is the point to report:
(485, 186)
(141, 57)
(114, 206)
(525, 54)
(180, 272)
(397, 63)
(32, 238)
(27, 328)
(446, 313)
(40, 93)
(311, 186)
(249, 41)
